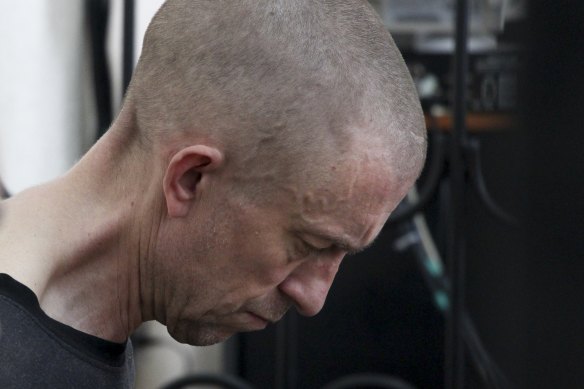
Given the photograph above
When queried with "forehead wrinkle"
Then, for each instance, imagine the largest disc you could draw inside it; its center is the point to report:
(340, 241)
(361, 188)
(362, 199)
(355, 233)
(344, 241)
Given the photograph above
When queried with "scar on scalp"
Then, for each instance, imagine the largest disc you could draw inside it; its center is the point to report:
(321, 201)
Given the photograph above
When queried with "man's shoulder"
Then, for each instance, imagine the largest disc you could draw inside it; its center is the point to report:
(38, 352)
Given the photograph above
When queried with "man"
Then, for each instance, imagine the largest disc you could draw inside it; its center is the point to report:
(259, 143)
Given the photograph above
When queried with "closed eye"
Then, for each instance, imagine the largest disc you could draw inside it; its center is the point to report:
(305, 249)
(318, 250)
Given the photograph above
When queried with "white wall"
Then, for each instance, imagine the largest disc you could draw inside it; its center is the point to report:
(47, 121)
(45, 98)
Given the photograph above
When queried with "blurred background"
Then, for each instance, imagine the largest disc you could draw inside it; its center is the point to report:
(475, 282)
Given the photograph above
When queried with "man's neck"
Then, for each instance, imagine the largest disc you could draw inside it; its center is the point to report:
(74, 243)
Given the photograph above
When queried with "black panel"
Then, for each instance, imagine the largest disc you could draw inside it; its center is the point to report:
(524, 283)
(378, 318)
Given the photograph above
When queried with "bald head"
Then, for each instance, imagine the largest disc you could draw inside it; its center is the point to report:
(278, 85)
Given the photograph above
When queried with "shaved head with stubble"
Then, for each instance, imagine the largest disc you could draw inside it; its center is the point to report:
(259, 143)
(282, 86)
(309, 108)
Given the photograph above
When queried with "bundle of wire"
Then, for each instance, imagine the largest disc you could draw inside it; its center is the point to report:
(416, 236)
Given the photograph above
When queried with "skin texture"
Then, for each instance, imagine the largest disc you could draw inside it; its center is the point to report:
(249, 261)
(229, 188)
(276, 81)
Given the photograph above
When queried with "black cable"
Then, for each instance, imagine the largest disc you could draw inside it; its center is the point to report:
(128, 54)
(439, 285)
(487, 368)
(97, 15)
(224, 380)
(427, 191)
(368, 380)
(473, 152)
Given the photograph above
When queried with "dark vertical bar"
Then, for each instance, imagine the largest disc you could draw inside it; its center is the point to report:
(454, 373)
(232, 355)
(286, 352)
(553, 219)
(3, 192)
(292, 372)
(280, 373)
(128, 60)
(97, 15)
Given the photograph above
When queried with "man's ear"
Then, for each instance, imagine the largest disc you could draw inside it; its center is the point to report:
(183, 174)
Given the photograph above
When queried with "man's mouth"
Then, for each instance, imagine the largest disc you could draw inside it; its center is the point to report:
(258, 321)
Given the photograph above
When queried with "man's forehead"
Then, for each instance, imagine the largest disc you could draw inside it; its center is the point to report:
(363, 182)
(349, 214)
(352, 240)
(364, 200)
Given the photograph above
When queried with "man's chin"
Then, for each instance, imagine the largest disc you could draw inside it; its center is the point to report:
(200, 336)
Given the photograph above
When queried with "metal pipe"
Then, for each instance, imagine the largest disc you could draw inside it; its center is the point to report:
(455, 365)
(97, 15)
(286, 352)
(128, 55)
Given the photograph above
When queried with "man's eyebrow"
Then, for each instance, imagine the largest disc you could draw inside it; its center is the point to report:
(351, 250)
(342, 243)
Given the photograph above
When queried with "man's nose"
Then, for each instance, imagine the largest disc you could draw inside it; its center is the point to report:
(308, 285)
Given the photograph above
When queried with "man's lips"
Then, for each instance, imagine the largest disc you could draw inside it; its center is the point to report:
(260, 317)
(258, 322)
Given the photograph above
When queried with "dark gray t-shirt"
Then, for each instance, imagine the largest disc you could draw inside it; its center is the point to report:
(39, 352)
